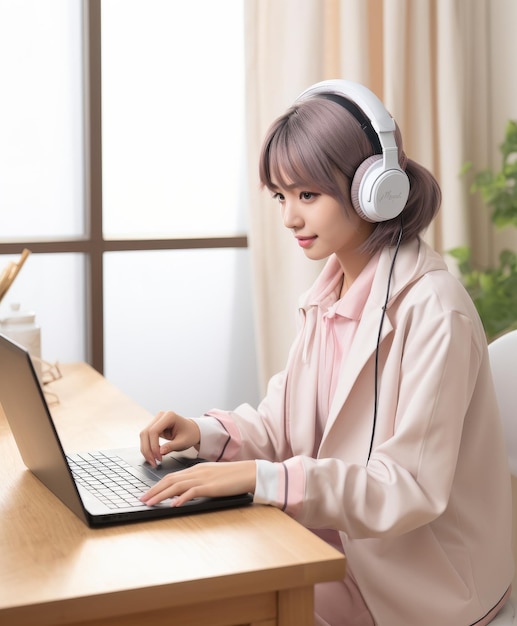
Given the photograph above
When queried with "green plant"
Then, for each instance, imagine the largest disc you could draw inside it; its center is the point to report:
(494, 290)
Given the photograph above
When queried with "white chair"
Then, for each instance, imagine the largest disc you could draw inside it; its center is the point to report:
(503, 360)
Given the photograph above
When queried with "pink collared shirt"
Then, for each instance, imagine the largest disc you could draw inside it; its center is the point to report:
(340, 319)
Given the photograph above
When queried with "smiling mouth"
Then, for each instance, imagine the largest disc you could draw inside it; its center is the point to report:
(305, 242)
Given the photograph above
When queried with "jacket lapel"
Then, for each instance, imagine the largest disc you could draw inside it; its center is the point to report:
(365, 341)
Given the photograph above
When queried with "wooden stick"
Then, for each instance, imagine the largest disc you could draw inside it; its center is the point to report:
(11, 272)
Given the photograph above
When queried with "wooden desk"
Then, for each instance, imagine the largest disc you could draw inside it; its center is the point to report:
(253, 565)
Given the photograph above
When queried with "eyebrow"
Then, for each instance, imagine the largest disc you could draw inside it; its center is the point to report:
(276, 187)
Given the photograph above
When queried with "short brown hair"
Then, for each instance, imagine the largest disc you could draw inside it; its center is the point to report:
(319, 145)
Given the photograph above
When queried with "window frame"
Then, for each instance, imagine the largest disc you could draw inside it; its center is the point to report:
(93, 244)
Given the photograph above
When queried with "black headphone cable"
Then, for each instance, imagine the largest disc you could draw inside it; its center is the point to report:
(377, 348)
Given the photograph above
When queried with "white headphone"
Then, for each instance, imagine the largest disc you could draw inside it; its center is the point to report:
(380, 188)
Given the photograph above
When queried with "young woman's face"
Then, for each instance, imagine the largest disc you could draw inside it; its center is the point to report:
(320, 223)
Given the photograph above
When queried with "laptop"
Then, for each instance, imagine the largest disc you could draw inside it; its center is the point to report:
(102, 486)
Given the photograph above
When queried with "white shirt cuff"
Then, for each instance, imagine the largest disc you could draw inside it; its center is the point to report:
(266, 487)
(213, 437)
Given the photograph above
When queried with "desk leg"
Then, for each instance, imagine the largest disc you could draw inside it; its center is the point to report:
(296, 606)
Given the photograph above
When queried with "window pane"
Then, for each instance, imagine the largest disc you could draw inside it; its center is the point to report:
(52, 286)
(179, 329)
(41, 119)
(173, 102)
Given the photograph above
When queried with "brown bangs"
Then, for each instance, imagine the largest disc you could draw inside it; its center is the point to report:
(292, 158)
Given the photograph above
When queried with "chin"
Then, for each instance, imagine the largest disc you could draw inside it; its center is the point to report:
(316, 257)
(312, 255)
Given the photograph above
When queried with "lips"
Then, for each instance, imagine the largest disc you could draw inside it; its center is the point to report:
(306, 242)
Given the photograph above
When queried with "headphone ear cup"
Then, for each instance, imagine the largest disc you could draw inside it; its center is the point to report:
(357, 201)
(377, 194)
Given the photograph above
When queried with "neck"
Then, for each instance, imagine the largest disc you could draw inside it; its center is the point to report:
(352, 267)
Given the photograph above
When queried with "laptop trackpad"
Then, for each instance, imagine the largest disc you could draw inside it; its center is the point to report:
(169, 463)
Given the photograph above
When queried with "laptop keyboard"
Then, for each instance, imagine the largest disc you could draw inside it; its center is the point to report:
(110, 479)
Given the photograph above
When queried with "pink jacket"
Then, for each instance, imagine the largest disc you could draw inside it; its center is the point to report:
(426, 523)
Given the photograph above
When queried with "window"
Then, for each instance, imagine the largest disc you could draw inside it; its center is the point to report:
(128, 189)
(172, 112)
(42, 183)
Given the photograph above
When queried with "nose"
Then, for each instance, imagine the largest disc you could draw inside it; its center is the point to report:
(291, 215)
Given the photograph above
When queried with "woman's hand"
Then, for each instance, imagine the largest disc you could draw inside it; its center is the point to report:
(204, 480)
(181, 432)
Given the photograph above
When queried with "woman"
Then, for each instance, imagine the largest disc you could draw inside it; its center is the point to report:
(382, 433)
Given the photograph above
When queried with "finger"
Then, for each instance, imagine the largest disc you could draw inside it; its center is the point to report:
(150, 437)
(145, 448)
(163, 488)
(183, 434)
(161, 427)
(176, 443)
(190, 494)
(176, 499)
(166, 488)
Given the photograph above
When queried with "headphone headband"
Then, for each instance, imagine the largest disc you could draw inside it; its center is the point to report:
(379, 117)
(366, 125)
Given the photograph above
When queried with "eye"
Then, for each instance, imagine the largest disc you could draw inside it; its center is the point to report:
(278, 196)
(308, 195)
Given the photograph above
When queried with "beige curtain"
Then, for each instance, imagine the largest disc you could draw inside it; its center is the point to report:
(284, 55)
(430, 61)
